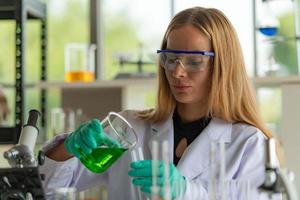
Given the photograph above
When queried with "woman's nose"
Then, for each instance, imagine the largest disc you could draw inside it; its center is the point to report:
(179, 70)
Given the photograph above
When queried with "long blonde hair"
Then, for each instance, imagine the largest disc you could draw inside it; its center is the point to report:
(231, 96)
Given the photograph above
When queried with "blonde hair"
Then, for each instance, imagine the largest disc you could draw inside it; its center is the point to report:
(231, 96)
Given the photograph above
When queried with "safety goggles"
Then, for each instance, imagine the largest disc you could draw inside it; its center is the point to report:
(191, 61)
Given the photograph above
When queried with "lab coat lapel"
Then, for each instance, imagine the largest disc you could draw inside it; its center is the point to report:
(160, 132)
(195, 159)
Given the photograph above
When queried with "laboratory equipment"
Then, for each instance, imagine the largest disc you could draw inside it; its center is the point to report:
(218, 186)
(21, 184)
(80, 62)
(155, 168)
(21, 12)
(216, 183)
(277, 179)
(23, 180)
(173, 182)
(70, 120)
(57, 124)
(117, 128)
(65, 120)
(98, 192)
(268, 24)
(65, 193)
(135, 157)
(165, 155)
(212, 183)
(140, 63)
(267, 53)
(21, 155)
(223, 170)
(101, 158)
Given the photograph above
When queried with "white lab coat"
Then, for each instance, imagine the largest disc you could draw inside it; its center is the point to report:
(244, 159)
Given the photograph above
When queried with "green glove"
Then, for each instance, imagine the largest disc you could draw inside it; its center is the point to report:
(141, 172)
(87, 137)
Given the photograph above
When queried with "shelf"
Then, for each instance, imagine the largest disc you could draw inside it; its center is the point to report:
(100, 84)
(34, 9)
(281, 38)
(13, 86)
(275, 81)
(21, 11)
(151, 82)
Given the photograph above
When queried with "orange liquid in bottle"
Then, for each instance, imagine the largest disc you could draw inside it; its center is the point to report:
(83, 76)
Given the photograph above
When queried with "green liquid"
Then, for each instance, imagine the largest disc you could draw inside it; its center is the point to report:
(101, 158)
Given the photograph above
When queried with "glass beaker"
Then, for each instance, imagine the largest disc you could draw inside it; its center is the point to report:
(80, 62)
(57, 121)
(117, 128)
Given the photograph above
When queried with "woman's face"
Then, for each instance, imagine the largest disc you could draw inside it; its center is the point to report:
(189, 87)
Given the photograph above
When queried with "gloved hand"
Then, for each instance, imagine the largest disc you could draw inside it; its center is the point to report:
(87, 137)
(141, 173)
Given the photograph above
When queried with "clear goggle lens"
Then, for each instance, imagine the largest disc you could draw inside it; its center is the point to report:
(189, 62)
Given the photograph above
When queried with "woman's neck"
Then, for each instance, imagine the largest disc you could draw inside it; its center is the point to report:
(189, 113)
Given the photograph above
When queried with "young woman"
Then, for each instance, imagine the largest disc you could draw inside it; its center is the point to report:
(204, 96)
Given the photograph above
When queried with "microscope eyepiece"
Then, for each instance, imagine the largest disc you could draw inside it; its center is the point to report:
(33, 117)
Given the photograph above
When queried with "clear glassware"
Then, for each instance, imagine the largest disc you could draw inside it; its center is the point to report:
(80, 62)
(268, 24)
(57, 123)
(118, 129)
(65, 193)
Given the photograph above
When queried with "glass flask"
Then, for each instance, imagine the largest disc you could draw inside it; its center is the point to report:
(268, 24)
(117, 128)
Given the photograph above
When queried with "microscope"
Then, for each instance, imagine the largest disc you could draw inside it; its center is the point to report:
(23, 181)
(277, 179)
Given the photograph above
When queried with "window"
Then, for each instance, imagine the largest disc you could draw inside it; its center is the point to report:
(68, 21)
(132, 28)
(269, 100)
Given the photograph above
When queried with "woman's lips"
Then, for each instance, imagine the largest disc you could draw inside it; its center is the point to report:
(181, 88)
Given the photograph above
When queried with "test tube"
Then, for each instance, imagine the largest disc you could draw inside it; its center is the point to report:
(165, 151)
(140, 154)
(65, 193)
(154, 190)
(217, 188)
(245, 190)
(133, 155)
(135, 158)
(212, 174)
(222, 170)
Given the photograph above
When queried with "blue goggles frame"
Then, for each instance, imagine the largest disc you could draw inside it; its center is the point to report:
(206, 53)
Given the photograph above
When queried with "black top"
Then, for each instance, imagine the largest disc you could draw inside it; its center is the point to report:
(189, 131)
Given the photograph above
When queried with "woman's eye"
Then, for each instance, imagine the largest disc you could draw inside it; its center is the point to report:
(194, 63)
(171, 60)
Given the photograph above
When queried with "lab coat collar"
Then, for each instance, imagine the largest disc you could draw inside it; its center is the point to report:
(195, 159)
